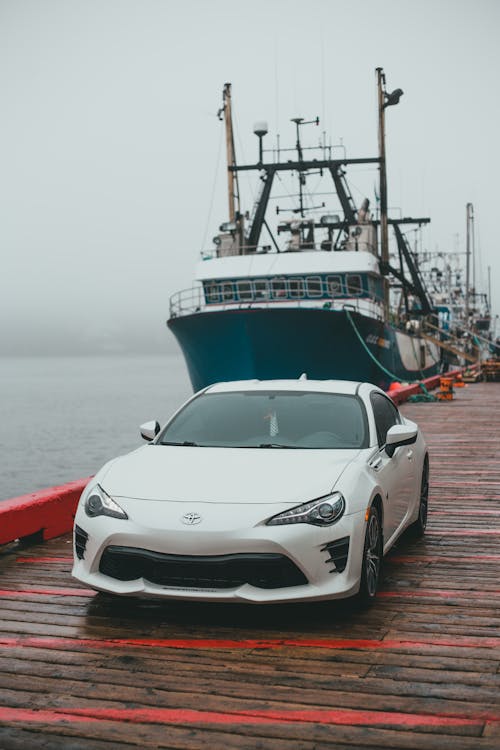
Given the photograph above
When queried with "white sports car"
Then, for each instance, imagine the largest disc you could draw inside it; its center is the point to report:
(257, 491)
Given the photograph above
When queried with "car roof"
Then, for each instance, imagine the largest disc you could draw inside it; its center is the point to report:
(348, 387)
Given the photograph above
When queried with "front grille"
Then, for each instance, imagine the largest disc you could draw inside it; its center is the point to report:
(81, 539)
(265, 571)
(338, 551)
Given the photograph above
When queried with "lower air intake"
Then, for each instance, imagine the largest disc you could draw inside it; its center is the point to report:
(265, 571)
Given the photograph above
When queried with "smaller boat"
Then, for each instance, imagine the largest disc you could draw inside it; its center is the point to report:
(464, 325)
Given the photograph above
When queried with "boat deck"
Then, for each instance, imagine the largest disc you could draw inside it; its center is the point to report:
(419, 670)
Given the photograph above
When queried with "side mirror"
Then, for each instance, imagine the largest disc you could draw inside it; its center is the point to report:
(400, 434)
(149, 430)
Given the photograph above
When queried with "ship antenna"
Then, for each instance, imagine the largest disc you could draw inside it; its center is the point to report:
(302, 179)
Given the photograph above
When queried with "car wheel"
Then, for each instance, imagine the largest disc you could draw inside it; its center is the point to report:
(372, 558)
(418, 527)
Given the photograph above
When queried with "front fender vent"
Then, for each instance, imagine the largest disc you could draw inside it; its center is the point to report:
(338, 552)
(81, 539)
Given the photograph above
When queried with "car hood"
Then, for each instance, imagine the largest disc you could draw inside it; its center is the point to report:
(225, 475)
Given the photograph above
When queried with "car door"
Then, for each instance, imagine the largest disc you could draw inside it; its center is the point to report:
(397, 474)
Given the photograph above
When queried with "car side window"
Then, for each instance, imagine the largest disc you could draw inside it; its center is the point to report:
(386, 415)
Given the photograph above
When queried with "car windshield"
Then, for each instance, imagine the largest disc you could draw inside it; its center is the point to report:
(269, 419)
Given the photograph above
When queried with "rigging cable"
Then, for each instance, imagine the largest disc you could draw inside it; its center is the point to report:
(217, 163)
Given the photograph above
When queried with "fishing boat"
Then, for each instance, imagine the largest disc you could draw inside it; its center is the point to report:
(318, 291)
(464, 322)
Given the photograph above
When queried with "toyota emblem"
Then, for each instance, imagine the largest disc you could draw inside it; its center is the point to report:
(190, 519)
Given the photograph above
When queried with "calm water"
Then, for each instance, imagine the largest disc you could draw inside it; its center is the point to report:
(61, 418)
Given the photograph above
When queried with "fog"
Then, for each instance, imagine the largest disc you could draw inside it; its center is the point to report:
(112, 171)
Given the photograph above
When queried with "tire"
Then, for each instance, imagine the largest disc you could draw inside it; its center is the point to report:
(372, 559)
(418, 527)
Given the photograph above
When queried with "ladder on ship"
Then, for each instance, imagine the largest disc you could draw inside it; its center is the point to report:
(452, 345)
(449, 348)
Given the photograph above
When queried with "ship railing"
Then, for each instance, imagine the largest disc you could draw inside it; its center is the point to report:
(192, 300)
(187, 301)
(325, 246)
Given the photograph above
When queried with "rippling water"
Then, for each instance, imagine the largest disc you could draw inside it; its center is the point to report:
(61, 418)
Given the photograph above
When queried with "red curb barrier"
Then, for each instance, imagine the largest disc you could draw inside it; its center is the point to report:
(48, 512)
(399, 395)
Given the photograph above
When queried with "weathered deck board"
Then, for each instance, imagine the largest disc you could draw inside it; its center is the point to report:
(419, 670)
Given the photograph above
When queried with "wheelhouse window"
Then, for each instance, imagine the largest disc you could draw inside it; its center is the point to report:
(296, 287)
(245, 292)
(227, 291)
(278, 287)
(212, 292)
(375, 287)
(261, 287)
(354, 284)
(314, 286)
(334, 284)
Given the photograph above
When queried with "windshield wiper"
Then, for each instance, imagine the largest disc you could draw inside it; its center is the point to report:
(275, 445)
(188, 443)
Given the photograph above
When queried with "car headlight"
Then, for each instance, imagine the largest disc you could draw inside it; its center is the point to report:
(321, 512)
(99, 503)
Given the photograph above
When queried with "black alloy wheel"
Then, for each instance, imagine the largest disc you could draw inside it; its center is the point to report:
(372, 558)
(419, 526)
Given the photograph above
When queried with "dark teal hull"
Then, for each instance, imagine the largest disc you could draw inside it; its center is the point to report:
(283, 343)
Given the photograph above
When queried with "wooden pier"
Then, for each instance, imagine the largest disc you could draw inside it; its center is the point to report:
(419, 670)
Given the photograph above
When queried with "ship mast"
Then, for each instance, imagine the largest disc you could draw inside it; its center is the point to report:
(384, 100)
(469, 211)
(232, 176)
(384, 236)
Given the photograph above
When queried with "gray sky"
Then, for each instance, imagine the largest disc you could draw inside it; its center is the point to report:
(109, 138)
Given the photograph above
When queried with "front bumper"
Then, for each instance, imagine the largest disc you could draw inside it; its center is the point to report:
(224, 560)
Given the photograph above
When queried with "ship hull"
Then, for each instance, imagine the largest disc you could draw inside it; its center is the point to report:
(268, 343)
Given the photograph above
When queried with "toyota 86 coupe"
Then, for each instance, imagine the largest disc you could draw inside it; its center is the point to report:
(257, 491)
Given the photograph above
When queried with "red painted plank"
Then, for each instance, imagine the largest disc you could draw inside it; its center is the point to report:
(350, 717)
(58, 643)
